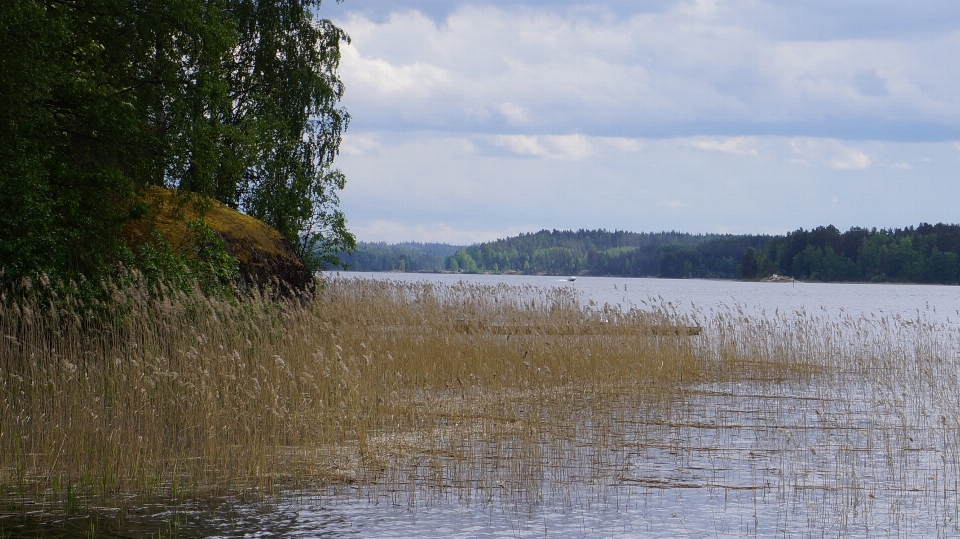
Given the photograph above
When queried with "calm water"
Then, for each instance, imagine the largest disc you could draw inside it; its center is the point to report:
(857, 459)
(933, 302)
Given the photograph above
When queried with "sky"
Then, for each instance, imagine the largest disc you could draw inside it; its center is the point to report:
(478, 120)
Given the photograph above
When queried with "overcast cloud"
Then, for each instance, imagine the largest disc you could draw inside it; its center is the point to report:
(473, 121)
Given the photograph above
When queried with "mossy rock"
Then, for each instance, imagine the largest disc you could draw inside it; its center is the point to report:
(263, 255)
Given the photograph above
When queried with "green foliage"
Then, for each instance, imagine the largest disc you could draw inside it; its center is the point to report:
(235, 99)
(600, 252)
(67, 135)
(288, 75)
(925, 254)
(411, 257)
(203, 260)
(462, 262)
(755, 265)
(749, 266)
(824, 264)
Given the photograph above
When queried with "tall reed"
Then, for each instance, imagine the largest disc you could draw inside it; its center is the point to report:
(164, 393)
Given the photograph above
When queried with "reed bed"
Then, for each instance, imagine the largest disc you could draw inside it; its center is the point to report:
(153, 391)
(158, 394)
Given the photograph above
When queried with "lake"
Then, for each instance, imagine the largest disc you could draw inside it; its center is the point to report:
(863, 459)
(871, 448)
(692, 296)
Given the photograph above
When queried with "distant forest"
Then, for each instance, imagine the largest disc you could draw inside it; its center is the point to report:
(599, 252)
(922, 254)
(404, 257)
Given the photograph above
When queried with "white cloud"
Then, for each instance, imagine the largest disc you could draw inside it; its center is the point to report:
(731, 145)
(573, 147)
(629, 112)
(521, 144)
(570, 146)
(830, 152)
(515, 114)
(358, 144)
(698, 8)
(699, 61)
(438, 232)
(850, 159)
(378, 79)
(434, 186)
(673, 204)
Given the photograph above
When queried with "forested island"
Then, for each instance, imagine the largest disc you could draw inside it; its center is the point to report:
(923, 254)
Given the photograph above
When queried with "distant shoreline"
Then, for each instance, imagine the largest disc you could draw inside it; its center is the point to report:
(924, 254)
(654, 277)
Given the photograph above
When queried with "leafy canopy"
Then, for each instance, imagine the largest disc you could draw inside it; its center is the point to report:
(235, 99)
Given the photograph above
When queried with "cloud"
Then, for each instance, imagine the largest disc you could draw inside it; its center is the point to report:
(731, 145)
(673, 204)
(850, 159)
(379, 79)
(437, 232)
(358, 144)
(676, 69)
(699, 8)
(572, 147)
(474, 119)
(521, 144)
(436, 186)
(830, 152)
(515, 114)
(870, 84)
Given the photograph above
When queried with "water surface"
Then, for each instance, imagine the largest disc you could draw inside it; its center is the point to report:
(934, 302)
(856, 456)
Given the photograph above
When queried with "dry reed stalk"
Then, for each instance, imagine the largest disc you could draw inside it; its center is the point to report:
(171, 394)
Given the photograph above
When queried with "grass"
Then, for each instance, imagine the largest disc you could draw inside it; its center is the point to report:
(164, 395)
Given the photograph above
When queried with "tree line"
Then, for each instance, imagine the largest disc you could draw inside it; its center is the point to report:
(602, 252)
(402, 257)
(923, 254)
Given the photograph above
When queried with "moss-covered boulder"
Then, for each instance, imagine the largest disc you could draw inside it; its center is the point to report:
(263, 255)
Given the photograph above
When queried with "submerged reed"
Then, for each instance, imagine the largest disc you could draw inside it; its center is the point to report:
(174, 392)
(394, 386)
